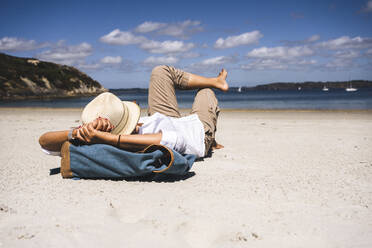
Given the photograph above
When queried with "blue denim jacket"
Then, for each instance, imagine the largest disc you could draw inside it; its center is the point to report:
(109, 162)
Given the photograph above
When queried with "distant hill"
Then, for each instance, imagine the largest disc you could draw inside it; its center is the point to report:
(359, 84)
(22, 78)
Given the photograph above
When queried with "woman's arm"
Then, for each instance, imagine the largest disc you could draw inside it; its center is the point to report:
(52, 141)
(134, 142)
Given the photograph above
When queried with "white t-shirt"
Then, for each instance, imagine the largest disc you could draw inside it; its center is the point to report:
(185, 135)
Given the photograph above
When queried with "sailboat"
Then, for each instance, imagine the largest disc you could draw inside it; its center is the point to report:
(240, 89)
(350, 88)
(325, 88)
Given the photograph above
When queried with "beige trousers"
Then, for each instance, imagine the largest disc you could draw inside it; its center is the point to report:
(164, 81)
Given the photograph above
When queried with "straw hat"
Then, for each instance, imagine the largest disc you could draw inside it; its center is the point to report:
(123, 115)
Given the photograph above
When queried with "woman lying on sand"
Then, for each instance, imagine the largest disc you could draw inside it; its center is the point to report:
(192, 134)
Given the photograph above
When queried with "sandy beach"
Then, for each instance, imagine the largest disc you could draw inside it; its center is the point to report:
(284, 179)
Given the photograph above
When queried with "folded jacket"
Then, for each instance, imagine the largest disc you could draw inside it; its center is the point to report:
(108, 162)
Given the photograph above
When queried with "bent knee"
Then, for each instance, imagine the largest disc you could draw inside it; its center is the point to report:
(206, 102)
(158, 69)
(206, 93)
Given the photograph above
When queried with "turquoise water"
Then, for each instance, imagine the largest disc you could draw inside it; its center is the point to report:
(305, 99)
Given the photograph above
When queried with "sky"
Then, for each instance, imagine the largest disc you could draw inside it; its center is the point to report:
(117, 43)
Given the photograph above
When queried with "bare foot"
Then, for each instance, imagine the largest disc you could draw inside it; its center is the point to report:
(221, 81)
(215, 145)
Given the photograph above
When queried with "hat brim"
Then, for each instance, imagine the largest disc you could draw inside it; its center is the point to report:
(134, 112)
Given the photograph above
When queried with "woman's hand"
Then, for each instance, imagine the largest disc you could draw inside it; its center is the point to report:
(88, 134)
(102, 124)
(136, 130)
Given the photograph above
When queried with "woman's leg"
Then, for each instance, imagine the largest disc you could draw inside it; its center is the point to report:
(162, 97)
(165, 79)
(206, 107)
(162, 93)
(200, 82)
(206, 104)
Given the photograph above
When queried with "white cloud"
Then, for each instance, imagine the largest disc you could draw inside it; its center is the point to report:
(306, 62)
(348, 54)
(342, 59)
(282, 57)
(68, 55)
(239, 40)
(280, 52)
(117, 37)
(149, 27)
(180, 29)
(340, 53)
(278, 64)
(152, 61)
(346, 42)
(339, 63)
(116, 63)
(15, 44)
(111, 60)
(166, 47)
(368, 7)
(264, 64)
(306, 41)
(313, 38)
(220, 60)
(215, 61)
(212, 64)
(190, 55)
(93, 66)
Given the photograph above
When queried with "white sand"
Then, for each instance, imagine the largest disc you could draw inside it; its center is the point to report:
(285, 179)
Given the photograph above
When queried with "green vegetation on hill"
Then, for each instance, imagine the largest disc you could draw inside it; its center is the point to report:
(30, 78)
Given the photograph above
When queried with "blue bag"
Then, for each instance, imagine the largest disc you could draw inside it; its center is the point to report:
(101, 161)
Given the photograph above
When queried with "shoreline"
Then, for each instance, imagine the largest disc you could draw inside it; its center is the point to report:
(222, 110)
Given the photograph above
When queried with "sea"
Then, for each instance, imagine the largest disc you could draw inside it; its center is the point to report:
(334, 99)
